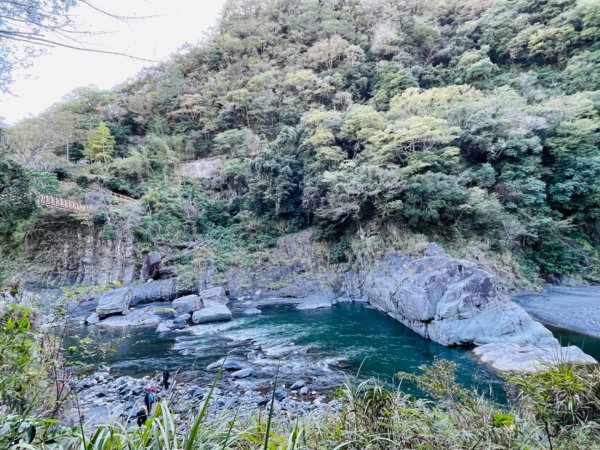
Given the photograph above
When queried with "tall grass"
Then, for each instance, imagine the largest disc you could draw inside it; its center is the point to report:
(372, 417)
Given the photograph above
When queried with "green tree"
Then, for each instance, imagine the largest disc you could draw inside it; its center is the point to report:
(101, 144)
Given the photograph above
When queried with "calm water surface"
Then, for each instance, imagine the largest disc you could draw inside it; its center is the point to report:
(352, 336)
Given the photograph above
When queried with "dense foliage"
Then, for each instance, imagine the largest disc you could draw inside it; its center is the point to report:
(457, 119)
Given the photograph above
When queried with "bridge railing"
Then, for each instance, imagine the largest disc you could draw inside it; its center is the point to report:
(61, 203)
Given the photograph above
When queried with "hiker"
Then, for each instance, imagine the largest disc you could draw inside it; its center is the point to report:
(149, 399)
(165, 377)
(141, 416)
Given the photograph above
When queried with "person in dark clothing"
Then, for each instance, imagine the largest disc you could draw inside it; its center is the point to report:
(141, 416)
(149, 399)
(165, 377)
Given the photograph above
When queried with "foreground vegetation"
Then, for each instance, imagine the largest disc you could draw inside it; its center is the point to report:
(557, 409)
(474, 123)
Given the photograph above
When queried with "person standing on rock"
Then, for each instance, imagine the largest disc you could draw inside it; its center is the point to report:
(141, 416)
(149, 399)
(165, 377)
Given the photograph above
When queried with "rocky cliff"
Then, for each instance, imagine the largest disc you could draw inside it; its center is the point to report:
(78, 256)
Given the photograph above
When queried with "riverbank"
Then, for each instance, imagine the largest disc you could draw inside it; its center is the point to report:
(570, 308)
(105, 399)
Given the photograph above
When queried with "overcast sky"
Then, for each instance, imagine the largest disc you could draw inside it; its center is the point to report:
(59, 71)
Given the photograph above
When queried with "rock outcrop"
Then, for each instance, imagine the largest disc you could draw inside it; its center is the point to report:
(213, 296)
(150, 266)
(507, 356)
(454, 302)
(187, 304)
(115, 301)
(215, 313)
(119, 300)
(139, 317)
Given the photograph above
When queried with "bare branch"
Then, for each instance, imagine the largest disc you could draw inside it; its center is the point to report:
(34, 39)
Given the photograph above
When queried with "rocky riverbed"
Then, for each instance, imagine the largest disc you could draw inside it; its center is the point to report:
(103, 398)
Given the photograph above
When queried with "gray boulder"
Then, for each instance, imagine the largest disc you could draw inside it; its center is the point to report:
(156, 291)
(165, 326)
(119, 300)
(147, 316)
(92, 319)
(187, 304)
(115, 301)
(454, 302)
(167, 272)
(213, 296)
(252, 312)
(217, 313)
(529, 358)
(182, 321)
(322, 299)
(150, 266)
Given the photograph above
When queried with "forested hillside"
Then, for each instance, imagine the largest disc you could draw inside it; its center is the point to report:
(473, 122)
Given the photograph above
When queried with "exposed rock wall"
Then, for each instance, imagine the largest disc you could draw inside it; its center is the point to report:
(80, 257)
(454, 302)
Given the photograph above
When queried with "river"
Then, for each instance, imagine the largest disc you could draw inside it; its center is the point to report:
(323, 346)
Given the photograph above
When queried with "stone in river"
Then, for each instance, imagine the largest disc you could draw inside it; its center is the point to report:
(216, 313)
(181, 321)
(115, 301)
(529, 358)
(187, 304)
(251, 312)
(213, 296)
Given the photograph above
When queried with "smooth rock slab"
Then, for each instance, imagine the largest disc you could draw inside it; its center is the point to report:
(324, 300)
(148, 316)
(187, 304)
(181, 321)
(115, 301)
(454, 302)
(217, 313)
(213, 296)
(513, 357)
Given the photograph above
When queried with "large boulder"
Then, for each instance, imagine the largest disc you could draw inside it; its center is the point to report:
(115, 301)
(146, 316)
(181, 321)
(454, 302)
(213, 296)
(150, 266)
(322, 299)
(119, 300)
(509, 356)
(303, 293)
(155, 291)
(187, 304)
(216, 313)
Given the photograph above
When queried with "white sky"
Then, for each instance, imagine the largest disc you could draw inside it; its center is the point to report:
(51, 76)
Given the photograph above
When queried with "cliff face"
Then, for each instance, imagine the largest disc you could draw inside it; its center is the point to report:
(79, 257)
